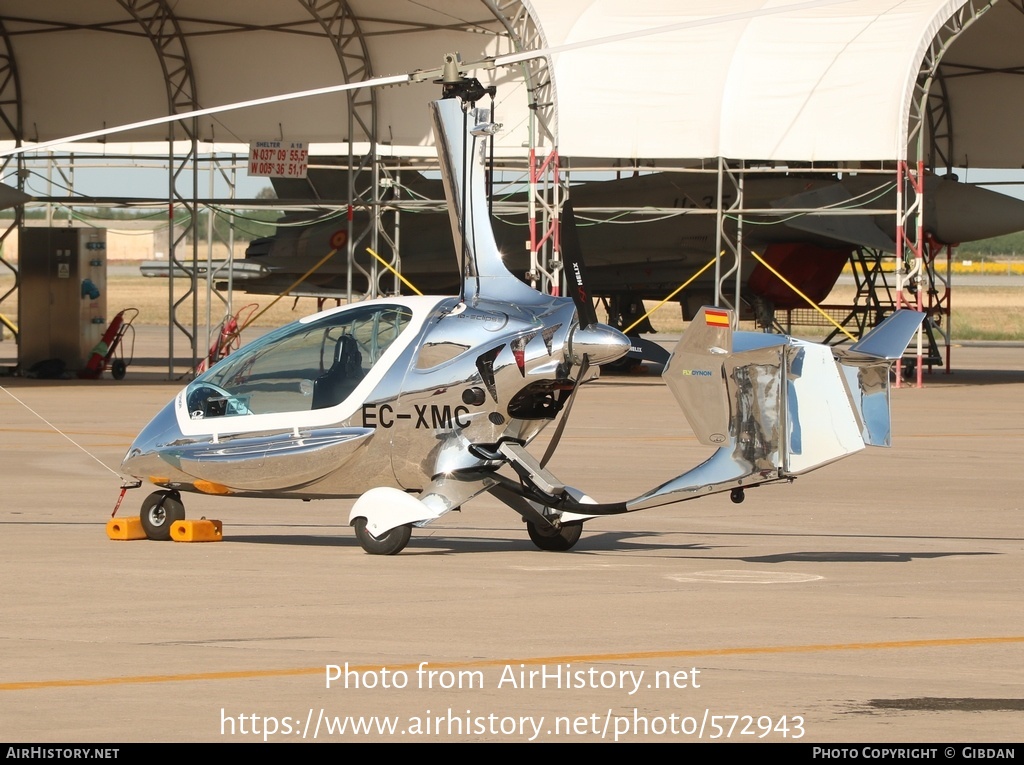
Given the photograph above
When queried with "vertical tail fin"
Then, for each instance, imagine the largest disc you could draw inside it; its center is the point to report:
(865, 366)
(695, 373)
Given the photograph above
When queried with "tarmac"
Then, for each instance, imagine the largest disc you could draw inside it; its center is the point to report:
(876, 600)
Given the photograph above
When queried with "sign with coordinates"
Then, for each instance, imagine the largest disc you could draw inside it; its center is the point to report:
(278, 159)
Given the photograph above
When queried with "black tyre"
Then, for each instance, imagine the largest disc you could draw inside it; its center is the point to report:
(160, 510)
(555, 539)
(118, 369)
(389, 543)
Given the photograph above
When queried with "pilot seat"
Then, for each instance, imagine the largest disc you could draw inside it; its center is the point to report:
(334, 385)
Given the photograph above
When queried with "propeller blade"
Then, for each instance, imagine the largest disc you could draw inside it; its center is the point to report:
(557, 435)
(646, 350)
(576, 275)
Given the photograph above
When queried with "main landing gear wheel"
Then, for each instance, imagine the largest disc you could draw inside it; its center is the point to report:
(555, 538)
(160, 510)
(389, 543)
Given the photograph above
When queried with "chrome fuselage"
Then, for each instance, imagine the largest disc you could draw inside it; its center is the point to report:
(433, 376)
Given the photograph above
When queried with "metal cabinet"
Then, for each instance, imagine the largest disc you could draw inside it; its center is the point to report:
(62, 301)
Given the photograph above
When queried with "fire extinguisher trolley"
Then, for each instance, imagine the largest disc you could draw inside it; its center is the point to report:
(109, 352)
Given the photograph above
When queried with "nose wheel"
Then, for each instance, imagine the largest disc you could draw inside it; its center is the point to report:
(159, 512)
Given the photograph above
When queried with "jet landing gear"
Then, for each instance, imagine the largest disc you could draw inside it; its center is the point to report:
(159, 512)
(555, 538)
(389, 543)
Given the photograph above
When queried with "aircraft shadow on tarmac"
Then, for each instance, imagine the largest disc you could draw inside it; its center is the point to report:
(941, 704)
(974, 377)
(838, 556)
(617, 541)
(594, 542)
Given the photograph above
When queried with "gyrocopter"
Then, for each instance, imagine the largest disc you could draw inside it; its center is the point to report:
(416, 405)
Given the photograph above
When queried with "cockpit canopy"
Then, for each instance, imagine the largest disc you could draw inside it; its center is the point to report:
(303, 366)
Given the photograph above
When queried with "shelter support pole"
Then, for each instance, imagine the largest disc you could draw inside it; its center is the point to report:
(209, 265)
(229, 175)
(157, 22)
(13, 225)
(938, 120)
(945, 302)
(181, 167)
(910, 251)
(719, 222)
(362, 170)
(938, 309)
(727, 244)
(10, 114)
(393, 181)
(544, 234)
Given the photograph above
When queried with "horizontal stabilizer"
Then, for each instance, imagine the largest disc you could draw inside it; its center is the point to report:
(886, 341)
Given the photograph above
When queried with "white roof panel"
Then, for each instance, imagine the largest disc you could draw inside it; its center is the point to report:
(775, 80)
(828, 81)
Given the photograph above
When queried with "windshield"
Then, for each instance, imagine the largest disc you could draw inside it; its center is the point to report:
(299, 367)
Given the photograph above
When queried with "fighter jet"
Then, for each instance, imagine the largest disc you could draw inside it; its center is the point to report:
(633, 255)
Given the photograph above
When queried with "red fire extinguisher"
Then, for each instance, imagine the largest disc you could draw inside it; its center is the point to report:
(98, 360)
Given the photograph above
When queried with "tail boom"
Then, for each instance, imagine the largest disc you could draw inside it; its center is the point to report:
(775, 406)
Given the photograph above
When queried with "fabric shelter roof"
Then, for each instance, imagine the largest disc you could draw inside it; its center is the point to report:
(825, 81)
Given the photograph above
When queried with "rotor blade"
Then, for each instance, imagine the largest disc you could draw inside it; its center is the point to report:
(557, 435)
(575, 272)
(398, 79)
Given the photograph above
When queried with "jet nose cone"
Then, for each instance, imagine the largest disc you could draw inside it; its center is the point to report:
(599, 342)
(960, 212)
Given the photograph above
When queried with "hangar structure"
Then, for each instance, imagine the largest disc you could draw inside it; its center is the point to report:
(897, 88)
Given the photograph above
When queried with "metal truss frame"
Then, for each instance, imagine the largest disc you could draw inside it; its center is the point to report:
(341, 27)
(929, 123)
(157, 20)
(10, 114)
(728, 245)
